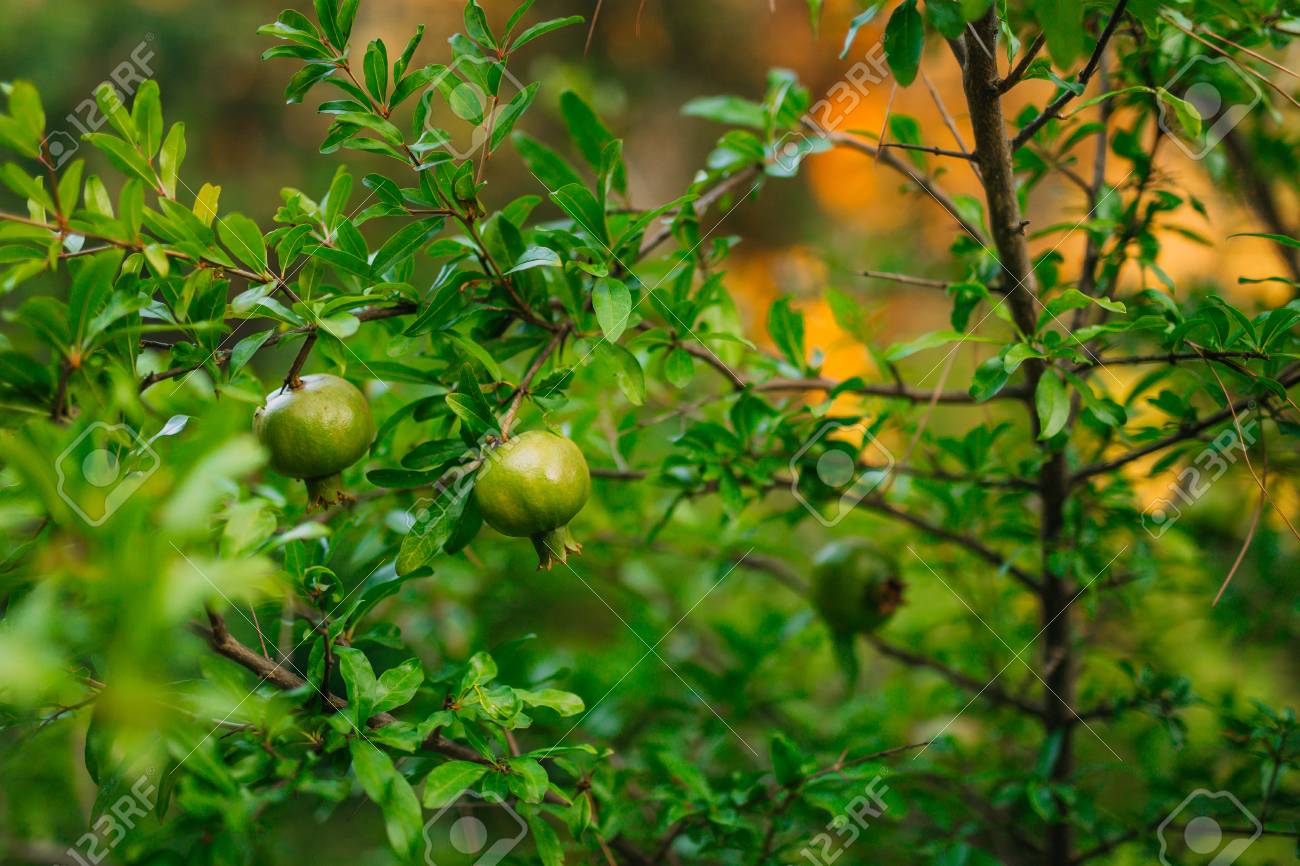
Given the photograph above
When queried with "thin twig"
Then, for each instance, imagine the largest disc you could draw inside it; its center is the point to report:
(908, 279)
(1054, 108)
(1244, 67)
(1017, 73)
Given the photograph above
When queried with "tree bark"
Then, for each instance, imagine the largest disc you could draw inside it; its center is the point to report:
(993, 154)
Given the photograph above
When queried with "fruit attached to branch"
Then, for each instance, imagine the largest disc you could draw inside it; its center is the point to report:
(314, 432)
(531, 486)
(855, 588)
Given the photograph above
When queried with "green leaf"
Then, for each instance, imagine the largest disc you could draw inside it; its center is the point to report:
(1281, 239)
(476, 25)
(376, 70)
(1053, 404)
(589, 134)
(245, 349)
(545, 164)
(729, 110)
(1062, 25)
(536, 257)
(786, 328)
(28, 117)
(627, 370)
(989, 379)
(904, 38)
(578, 202)
(170, 158)
(786, 761)
(404, 244)
(123, 157)
(946, 17)
(547, 842)
(1188, 117)
(433, 526)
(392, 794)
(146, 115)
(508, 116)
(527, 780)
(1073, 299)
(679, 367)
(471, 407)
(398, 685)
(110, 104)
(862, 19)
(613, 304)
(243, 239)
(359, 677)
(448, 781)
(564, 703)
(541, 29)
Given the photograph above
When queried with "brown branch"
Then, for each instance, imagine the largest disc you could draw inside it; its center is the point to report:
(1054, 108)
(906, 279)
(1187, 432)
(520, 392)
(881, 390)
(994, 693)
(947, 118)
(700, 205)
(223, 643)
(1244, 67)
(1017, 73)
(222, 356)
(970, 543)
(926, 183)
(292, 380)
(926, 148)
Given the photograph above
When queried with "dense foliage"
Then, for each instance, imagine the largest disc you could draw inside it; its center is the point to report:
(999, 672)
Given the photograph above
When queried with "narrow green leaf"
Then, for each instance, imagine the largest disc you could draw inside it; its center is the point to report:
(613, 304)
(904, 38)
(388, 789)
(1053, 404)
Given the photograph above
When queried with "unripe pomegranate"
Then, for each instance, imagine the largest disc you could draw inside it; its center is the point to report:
(314, 432)
(531, 486)
(855, 589)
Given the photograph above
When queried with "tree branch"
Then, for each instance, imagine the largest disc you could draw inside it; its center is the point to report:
(892, 160)
(1054, 108)
(1188, 432)
(994, 693)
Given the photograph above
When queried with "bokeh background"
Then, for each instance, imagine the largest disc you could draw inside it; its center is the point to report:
(841, 216)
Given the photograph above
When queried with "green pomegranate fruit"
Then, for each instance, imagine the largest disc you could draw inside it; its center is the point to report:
(314, 432)
(855, 589)
(531, 486)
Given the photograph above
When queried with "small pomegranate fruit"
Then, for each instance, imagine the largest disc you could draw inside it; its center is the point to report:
(531, 486)
(855, 589)
(314, 432)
